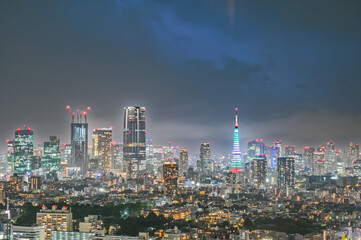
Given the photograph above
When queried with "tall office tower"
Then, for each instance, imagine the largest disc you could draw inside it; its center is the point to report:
(256, 148)
(236, 164)
(102, 148)
(353, 154)
(309, 158)
(289, 151)
(134, 149)
(51, 158)
(259, 171)
(55, 220)
(170, 176)
(205, 162)
(340, 164)
(183, 161)
(278, 143)
(10, 155)
(286, 172)
(79, 146)
(330, 158)
(117, 149)
(319, 161)
(66, 154)
(275, 153)
(23, 150)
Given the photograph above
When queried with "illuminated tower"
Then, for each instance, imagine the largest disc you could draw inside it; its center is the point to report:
(183, 161)
(236, 164)
(79, 147)
(275, 153)
(102, 147)
(51, 158)
(309, 159)
(134, 146)
(170, 176)
(23, 150)
(286, 172)
(10, 155)
(205, 162)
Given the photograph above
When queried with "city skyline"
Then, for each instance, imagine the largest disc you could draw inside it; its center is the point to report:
(279, 73)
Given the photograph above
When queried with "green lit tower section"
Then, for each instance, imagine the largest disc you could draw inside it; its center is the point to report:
(51, 158)
(236, 163)
(23, 150)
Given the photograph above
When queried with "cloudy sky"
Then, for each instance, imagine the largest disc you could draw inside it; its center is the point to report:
(293, 68)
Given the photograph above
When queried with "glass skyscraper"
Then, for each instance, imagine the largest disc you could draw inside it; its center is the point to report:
(102, 148)
(51, 158)
(134, 141)
(79, 147)
(23, 150)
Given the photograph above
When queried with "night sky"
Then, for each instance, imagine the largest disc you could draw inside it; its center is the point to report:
(293, 68)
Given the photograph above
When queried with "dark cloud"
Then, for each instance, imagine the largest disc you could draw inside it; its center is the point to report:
(292, 68)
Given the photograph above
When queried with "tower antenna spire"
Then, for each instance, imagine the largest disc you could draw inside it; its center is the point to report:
(236, 117)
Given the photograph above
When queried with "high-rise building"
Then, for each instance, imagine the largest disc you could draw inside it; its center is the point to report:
(237, 163)
(286, 172)
(183, 161)
(10, 155)
(79, 147)
(66, 154)
(319, 161)
(255, 148)
(353, 154)
(309, 159)
(289, 151)
(55, 220)
(134, 147)
(275, 153)
(118, 155)
(23, 150)
(51, 158)
(205, 161)
(330, 158)
(278, 143)
(102, 148)
(170, 176)
(259, 170)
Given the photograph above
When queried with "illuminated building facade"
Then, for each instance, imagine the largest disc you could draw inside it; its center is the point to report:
(134, 141)
(286, 172)
(117, 155)
(51, 158)
(23, 150)
(255, 148)
(275, 153)
(35, 183)
(102, 148)
(259, 171)
(236, 164)
(289, 151)
(309, 159)
(79, 147)
(66, 154)
(205, 161)
(353, 154)
(10, 155)
(55, 220)
(183, 161)
(170, 177)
